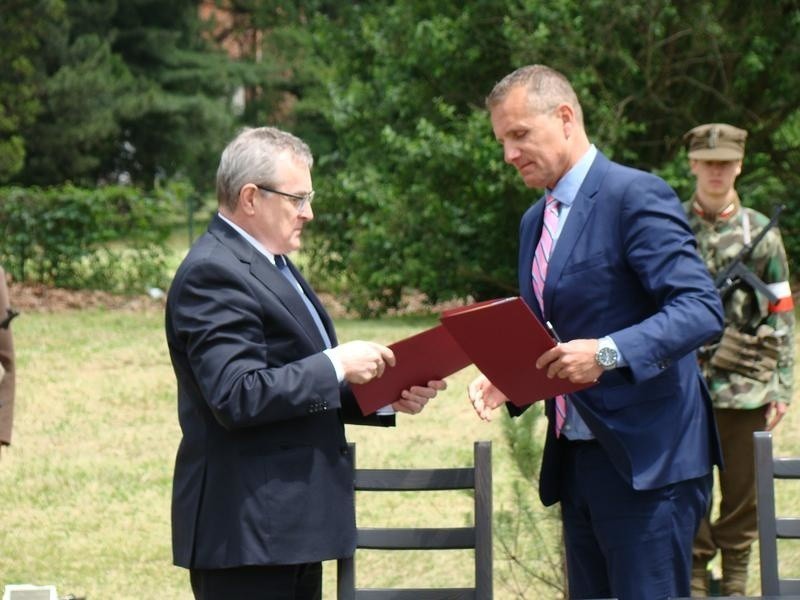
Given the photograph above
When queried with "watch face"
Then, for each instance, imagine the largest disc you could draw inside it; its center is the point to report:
(607, 358)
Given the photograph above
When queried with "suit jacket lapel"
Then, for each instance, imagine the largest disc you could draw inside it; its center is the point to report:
(268, 274)
(323, 314)
(582, 207)
(578, 215)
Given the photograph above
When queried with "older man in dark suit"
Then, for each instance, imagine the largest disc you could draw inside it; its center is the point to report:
(263, 484)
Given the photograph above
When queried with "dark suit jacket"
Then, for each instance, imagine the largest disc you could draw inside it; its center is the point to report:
(626, 264)
(262, 475)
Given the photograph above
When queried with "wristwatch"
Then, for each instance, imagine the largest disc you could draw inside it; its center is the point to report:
(606, 356)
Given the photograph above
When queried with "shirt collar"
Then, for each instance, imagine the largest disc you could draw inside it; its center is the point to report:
(250, 239)
(567, 187)
(724, 215)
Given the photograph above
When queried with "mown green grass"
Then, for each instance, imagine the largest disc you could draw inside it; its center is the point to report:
(85, 489)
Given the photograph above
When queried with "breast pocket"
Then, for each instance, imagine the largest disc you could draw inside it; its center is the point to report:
(599, 261)
(586, 283)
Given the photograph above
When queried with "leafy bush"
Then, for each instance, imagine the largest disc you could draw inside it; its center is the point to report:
(110, 238)
(431, 222)
(414, 194)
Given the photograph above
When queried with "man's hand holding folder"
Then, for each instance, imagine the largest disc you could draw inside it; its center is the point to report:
(502, 337)
(421, 359)
(560, 361)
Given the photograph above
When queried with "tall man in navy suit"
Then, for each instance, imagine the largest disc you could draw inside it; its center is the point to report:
(615, 269)
(263, 483)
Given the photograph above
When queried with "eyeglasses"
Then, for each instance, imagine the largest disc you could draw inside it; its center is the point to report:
(299, 201)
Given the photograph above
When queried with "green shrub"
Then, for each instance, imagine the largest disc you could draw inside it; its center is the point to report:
(110, 238)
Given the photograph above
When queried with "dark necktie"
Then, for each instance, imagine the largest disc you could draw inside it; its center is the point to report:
(280, 262)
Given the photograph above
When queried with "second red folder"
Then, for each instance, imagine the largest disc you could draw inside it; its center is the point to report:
(504, 338)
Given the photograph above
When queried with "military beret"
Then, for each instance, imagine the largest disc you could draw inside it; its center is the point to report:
(716, 141)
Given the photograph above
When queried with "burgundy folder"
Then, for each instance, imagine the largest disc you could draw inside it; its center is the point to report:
(504, 338)
(432, 354)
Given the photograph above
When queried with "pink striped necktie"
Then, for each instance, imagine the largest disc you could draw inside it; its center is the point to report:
(541, 260)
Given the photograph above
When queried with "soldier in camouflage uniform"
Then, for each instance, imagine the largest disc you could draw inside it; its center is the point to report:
(750, 370)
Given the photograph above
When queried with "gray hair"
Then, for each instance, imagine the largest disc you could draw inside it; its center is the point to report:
(547, 88)
(251, 158)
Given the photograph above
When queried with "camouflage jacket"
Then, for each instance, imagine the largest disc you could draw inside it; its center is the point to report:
(746, 310)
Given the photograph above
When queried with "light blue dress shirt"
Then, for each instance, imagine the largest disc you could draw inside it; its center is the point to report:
(565, 192)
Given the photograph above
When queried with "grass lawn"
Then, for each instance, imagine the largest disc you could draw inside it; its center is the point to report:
(85, 490)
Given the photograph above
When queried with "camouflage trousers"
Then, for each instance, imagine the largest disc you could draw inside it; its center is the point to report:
(736, 528)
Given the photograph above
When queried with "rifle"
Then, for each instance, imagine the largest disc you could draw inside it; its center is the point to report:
(10, 314)
(736, 270)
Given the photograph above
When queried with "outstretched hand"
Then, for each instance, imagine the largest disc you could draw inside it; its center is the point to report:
(485, 397)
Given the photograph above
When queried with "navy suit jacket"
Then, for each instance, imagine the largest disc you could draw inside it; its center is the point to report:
(626, 265)
(263, 475)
